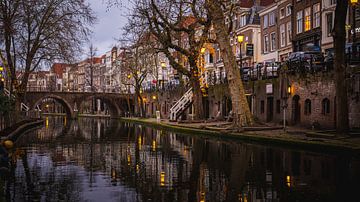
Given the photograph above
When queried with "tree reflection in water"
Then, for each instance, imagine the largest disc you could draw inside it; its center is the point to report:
(107, 160)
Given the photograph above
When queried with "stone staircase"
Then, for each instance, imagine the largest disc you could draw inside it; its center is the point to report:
(181, 105)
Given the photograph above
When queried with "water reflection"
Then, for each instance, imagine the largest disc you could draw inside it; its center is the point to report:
(104, 160)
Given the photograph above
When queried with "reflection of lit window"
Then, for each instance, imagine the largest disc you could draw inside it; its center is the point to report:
(307, 21)
(162, 179)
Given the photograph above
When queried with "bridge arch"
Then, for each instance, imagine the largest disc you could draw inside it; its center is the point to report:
(67, 106)
(113, 105)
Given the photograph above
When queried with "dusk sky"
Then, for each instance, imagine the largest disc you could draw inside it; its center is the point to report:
(107, 29)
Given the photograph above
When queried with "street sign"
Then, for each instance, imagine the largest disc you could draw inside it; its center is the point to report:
(250, 49)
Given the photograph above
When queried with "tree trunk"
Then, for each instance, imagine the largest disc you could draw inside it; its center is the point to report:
(339, 35)
(240, 106)
(197, 99)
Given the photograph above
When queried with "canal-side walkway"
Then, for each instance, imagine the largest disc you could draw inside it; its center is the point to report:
(292, 137)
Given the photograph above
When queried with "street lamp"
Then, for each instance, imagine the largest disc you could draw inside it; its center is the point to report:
(354, 49)
(240, 39)
(163, 67)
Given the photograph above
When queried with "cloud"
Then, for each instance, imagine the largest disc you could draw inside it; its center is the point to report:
(108, 26)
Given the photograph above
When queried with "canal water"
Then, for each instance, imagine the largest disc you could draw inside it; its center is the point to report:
(107, 160)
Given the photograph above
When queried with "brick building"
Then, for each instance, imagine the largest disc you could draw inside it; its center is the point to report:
(306, 21)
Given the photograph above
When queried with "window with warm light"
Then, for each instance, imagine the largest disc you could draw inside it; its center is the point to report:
(307, 19)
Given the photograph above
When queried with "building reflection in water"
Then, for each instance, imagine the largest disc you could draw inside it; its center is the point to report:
(104, 159)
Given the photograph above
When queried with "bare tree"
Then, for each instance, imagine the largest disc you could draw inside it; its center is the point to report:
(181, 28)
(90, 67)
(217, 10)
(36, 33)
(137, 65)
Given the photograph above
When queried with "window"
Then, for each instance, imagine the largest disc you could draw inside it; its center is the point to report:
(299, 22)
(288, 10)
(262, 106)
(316, 18)
(278, 106)
(273, 41)
(332, 2)
(282, 35)
(307, 19)
(325, 106)
(242, 20)
(282, 13)
(265, 21)
(266, 43)
(307, 109)
(272, 19)
(329, 24)
(289, 32)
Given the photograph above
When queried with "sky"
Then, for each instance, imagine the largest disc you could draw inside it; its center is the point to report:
(107, 29)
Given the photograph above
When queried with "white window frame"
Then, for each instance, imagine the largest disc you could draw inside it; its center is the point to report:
(266, 43)
(243, 20)
(272, 42)
(288, 9)
(299, 22)
(282, 12)
(316, 15)
(288, 32)
(329, 30)
(282, 35)
(271, 19)
(266, 20)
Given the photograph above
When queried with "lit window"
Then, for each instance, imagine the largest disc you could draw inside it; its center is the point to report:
(299, 21)
(316, 10)
(307, 19)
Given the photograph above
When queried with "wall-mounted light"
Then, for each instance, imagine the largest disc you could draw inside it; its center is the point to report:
(289, 89)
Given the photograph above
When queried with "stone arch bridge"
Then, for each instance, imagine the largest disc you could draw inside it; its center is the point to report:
(71, 101)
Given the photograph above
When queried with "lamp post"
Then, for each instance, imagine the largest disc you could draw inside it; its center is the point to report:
(354, 49)
(240, 39)
(163, 67)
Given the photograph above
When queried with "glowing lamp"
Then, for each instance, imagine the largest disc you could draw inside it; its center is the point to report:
(1, 68)
(289, 89)
(8, 144)
(154, 97)
(240, 38)
(163, 65)
(202, 51)
(353, 2)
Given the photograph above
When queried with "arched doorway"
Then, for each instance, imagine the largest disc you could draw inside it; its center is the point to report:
(295, 115)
